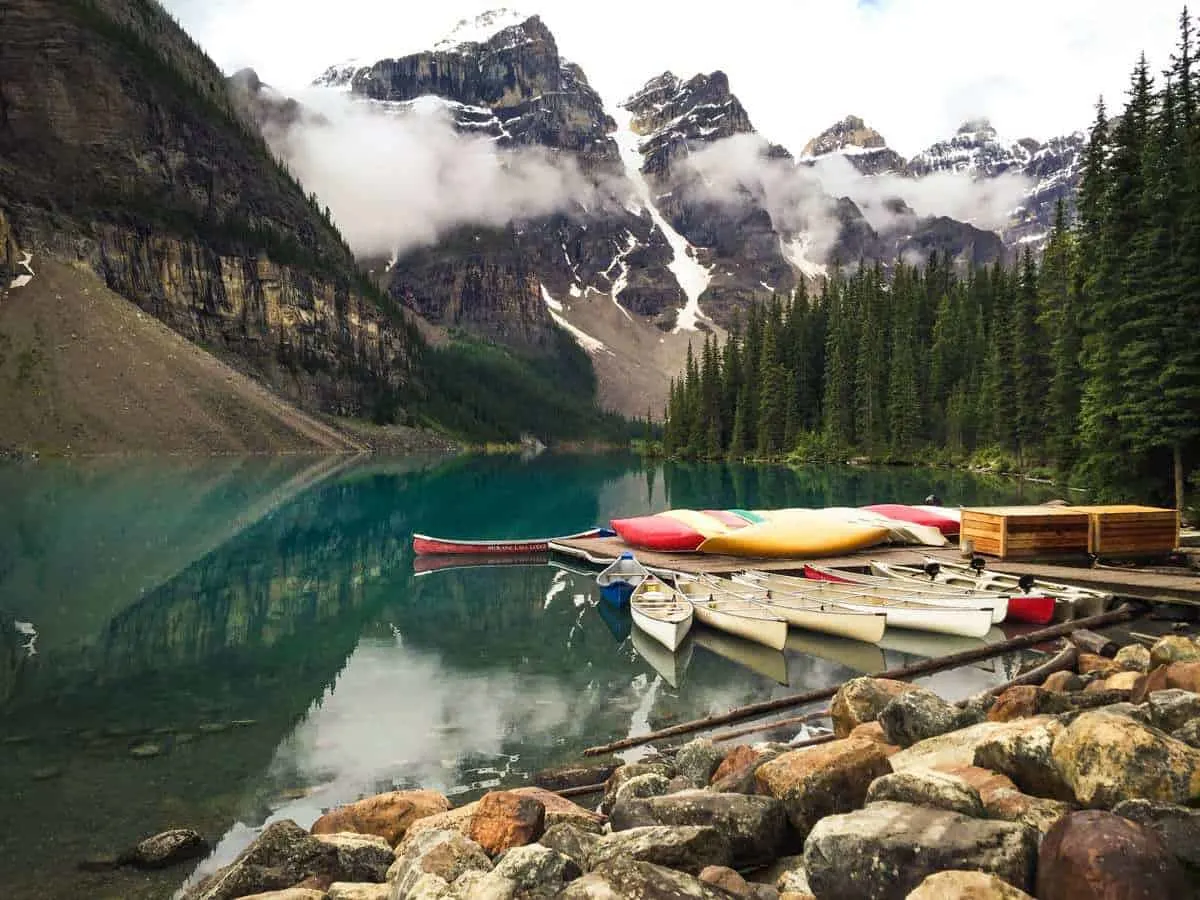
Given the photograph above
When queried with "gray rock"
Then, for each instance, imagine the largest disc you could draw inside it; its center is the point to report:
(628, 879)
(926, 787)
(886, 850)
(787, 875)
(572, 776)
(483, 886)
(756, 827)
(688, 848)
(355, 890)
(1189, 733)
(1171, 710)
(696, 761)
(426, 887)
(919, 715)
(1178, 826)
(284, 854)
(538, 872)
(360, 857)
(1133, 658)
(444, 854)
(630, 771)
(1026, 757)
(1080, 702)
(571, 841)
(166, 849)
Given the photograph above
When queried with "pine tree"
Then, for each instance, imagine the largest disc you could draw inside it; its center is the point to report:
(838, 404)
(904, 403)
(1059, 287)
(1031, 353)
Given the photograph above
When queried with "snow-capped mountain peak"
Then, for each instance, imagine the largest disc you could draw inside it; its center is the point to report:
(862, 145)
(482, 28)
(976, 148)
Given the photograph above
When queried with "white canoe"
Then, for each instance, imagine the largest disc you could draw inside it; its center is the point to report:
(932, 593)
(1084, 601)
(995, 605)
(661, 612)
(742, 616)
(824, 618)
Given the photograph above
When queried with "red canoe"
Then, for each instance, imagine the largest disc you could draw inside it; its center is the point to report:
(661, 533)
(424, 544)
(918, 515)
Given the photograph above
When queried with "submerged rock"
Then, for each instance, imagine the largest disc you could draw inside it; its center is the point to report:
(688, 848)
(861, 700)
(960, 885)
(1096, 855)
(927, 787)
(886, 850)
(387, 815)
(1105, 759)
(166, 849)
(755, 826)
(819, 781)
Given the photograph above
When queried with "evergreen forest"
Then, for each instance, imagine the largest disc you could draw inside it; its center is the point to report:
(1082, 361)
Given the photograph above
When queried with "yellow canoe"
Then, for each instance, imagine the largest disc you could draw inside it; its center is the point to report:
(703, 523)
(801, 533)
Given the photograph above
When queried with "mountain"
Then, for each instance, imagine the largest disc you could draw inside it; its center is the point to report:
(863, 147)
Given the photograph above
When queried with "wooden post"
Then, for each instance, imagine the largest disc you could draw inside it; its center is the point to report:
(1090, 642)
(1126, 613)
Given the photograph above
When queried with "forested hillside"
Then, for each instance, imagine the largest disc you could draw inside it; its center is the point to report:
(1084, 361)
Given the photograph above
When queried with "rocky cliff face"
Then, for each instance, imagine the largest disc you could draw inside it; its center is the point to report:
(122, 148)
(863, 147)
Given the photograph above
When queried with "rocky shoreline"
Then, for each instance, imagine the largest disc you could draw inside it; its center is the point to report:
(1082, 787)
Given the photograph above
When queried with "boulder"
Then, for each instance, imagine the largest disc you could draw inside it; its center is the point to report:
(1038, 813)
(741, 779)
(697, 760)
(862, 700)
(571, 841)
(282, 856)
(983, 780)
(886, 850)
(1184, 675)
(688, 848)
(453, 820)
(960, 885)
(578, 775)
(505, 819)
(1122, 681)
(386, 815)
(294, 893)
(927, 787)
(427, 887)
(1172, 709)
(755, 826)
(727, 880)
(538, 872)
(1062, 682)
(873, 731)
(735, 761)
(561, 811)
(1174, 648)
(1096, 855)
(819, 781)
(1093, 697)
(1189, 733)
(1016, 703)
(354, 890)
(1133, 658)
(628, 879)
(786, 875)
(442, 854)
(651, 784)
(1178, 826)
(360, 857)
(1094, 664)
(166, 849)
(918, 715)
(1105, 759)
(1154, 680)
(1025, 757)
(626, 772)
(957, 748)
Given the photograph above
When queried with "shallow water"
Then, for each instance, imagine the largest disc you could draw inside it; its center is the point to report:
(223, 643)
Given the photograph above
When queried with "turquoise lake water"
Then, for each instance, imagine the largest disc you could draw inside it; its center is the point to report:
(219, 644)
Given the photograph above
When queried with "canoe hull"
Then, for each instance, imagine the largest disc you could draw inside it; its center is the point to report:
(661, 533)
(867, 627)
(926, 595)
(424, 544)
(768, 632)
(796, 534)
(960, 622)
(661, 612)
(669, 634)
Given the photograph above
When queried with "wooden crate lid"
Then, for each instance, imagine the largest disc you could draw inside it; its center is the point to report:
(1013, 511)
(1125, 508)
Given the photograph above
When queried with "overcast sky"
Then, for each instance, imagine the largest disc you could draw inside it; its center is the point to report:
(914, 69)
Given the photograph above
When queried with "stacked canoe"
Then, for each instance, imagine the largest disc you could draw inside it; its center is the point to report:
(784, 533)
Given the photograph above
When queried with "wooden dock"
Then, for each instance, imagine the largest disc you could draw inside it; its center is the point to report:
(1155, 587)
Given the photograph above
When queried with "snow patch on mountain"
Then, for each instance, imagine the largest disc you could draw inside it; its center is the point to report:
(693, 278)
(481, 29)
(585, 340)
(796, 251)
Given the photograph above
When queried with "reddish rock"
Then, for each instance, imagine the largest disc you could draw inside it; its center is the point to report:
(561, 810)
(983, 780)
(820, 781)
(1185, 676)
(388, 815)
(1155, 680)
(736, 760)
(873, 731)
(1122, 681)
(1092, 662)
(862, 700)
(959, 885)
(1015, 703)
(505, 819)
(452, 820)
(1062, 682)
(1095, 855)
(726, 879)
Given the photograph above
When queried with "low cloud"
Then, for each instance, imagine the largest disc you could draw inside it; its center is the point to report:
(803, 198)
(399, 178)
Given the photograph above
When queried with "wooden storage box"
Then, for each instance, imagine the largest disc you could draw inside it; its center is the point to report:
(1135, 530)
(1024, 531)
